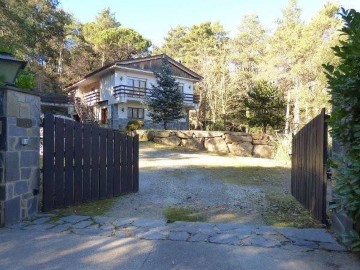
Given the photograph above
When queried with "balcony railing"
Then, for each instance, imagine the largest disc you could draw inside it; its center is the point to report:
(91, 97)
(138, 92)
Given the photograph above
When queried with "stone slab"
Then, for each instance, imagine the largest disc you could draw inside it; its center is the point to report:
(225, 238)
(178, 236)
(82, 224)
(318, 235)
(74, 218)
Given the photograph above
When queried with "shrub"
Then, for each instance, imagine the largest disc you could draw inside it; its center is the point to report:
(344, 82)
(134, 125)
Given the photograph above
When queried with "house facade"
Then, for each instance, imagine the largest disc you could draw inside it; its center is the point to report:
(114, 94)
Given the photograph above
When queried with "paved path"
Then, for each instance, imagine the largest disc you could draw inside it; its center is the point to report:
(74, 242)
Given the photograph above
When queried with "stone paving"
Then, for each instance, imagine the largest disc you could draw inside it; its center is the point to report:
(224, 233)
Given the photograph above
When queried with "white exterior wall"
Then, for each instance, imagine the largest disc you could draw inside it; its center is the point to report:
(106, 85)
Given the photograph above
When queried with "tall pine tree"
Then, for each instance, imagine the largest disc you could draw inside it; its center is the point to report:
(165, 103)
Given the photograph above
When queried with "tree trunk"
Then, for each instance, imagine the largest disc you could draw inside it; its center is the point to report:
(296, 110)
(287, 116)
(165, 125)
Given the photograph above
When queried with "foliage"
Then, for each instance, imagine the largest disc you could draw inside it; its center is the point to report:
(165, 103)
(266, 106)
(134, 125)
(344, 81)
(25, 79)
(111, 41)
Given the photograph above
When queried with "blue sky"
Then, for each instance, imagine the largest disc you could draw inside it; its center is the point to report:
(154, 18)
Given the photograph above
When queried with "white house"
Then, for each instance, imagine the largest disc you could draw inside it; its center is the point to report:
(113, 95)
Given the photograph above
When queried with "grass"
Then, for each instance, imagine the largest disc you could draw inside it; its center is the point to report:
(96, 208)
(182, 214)
(284, 211)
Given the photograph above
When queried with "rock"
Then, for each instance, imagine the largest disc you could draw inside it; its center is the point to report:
(170, 141)
(184, 134)
(317, 235)
(143, 135)
(193, 143)
(241, 149)
(162, 134)
(263, 151)
(258, 136)
(208, 134)
(41, 220)
(199, 237)
(148, 223)
(151, 135)
(74, 218)
(260, 142)
(225, 238)
(178, 236)
(82, 224)
(216, 145)
(233, 137)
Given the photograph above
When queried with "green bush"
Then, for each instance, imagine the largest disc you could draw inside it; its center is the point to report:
(134, 125)
(344, 81)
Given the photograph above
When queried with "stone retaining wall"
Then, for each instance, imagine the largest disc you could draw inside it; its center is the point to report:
(236, 143)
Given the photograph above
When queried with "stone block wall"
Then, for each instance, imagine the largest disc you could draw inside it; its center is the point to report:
(19, 154)
(236, 143)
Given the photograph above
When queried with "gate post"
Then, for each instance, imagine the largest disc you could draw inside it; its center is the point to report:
(19, 154)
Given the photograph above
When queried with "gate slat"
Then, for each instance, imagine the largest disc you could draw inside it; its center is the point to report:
(48, 162)
(95, 163)
(110, 163)
(69, 163)
(102, 168)
(124, 175)
(117, 164)
(135, 163)
(59, 162)
(78, 153)
(86, 163)
(129, 152)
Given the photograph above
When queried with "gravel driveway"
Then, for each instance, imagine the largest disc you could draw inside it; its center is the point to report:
(195, 180)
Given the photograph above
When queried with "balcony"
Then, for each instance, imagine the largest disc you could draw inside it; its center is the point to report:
(125, 92)
(91, 98)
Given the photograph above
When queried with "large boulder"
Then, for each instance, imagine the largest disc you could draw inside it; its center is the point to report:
(170, 141)
(234, 138)
(217, 145)
(258, 136)
(260, 142)
(263, 151)
(184, 134)
(163, 134)
(243, 149)
(193, 143)
(208, 134)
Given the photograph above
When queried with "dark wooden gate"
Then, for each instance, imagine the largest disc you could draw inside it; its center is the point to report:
(308, 172)
(83, 162)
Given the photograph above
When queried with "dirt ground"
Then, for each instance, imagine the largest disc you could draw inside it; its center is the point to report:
(212, 188)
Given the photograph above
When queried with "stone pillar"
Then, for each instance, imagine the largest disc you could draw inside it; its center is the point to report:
(19, 154)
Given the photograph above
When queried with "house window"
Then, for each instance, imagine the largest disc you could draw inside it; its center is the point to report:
(181, 87)
(104, 116)
(135, 113)
(138, 87)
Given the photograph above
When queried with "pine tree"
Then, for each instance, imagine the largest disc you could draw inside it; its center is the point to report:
(165, 102)
(266, 106)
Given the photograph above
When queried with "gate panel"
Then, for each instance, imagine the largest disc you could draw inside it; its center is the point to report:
(308, 172)
(83, 162)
